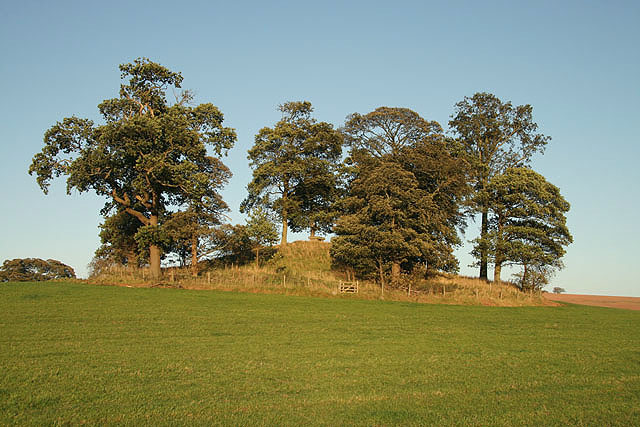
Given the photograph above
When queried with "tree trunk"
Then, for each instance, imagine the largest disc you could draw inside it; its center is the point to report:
(194, 256)
(498, 251)
(285, 226)
(381, 271)
(154, 262)
(257, 257)
(484, 231)
(496, 272)
(132, 259)
(312, 230)
(285, 222)
(395, 271)
(154, 254)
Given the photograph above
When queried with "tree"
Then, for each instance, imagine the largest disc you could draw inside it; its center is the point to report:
(148, 155)
(496, 136)
(292, 167)
(34, 270)
(386, 131)
(232, 244)
(527, 226)
(316, 199)
(261, 231)
(189, 228)
(422, 179)
(385, 224)
(558, 290)
(442, 174)
(118, 244)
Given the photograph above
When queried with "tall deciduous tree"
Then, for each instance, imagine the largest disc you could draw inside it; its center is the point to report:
(496, 136)
(148, 153)
(527, 226)
(428, 182)
(385, 222)
(202, 210)
(387, 131)
(289, 162)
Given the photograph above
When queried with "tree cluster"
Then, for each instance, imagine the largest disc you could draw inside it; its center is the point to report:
(401, 207)
(34, 270)
(395, 190)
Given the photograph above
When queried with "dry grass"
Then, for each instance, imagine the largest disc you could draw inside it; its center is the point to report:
(304, 268)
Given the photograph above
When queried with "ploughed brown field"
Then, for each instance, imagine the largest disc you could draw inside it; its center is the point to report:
(629, 303)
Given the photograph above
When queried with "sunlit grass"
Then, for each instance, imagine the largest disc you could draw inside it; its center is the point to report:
(304, 268)
(75, 353)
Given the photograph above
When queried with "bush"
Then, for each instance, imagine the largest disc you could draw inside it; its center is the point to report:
(34, 270)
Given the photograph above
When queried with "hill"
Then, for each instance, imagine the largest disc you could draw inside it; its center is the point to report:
(304, 268)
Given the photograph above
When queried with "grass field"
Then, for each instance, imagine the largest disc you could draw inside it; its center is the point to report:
(75, 353)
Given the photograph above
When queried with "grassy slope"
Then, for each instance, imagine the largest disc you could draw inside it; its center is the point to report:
(304, 268)
(73, 353)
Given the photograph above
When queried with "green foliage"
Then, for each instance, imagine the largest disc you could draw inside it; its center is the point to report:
(105, 355)
(117, 237)
(495, 136)
(34, 270)
(528, 225)
(261, 230)
(387, 131)
(190, 230)
(152, 235)
(384, 221)
(240, 244)
(148, 154)
(232, 244)
(403, 204)
(294, 169)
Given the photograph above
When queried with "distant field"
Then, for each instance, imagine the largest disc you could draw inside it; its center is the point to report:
(74, 353)
(628, 303)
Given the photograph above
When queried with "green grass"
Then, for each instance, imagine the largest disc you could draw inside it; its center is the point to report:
(74, 353)
(304, 269)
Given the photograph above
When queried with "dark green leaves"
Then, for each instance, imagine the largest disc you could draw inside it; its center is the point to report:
(148, 156)
(34, 269)
(528, 223)
(295, 169)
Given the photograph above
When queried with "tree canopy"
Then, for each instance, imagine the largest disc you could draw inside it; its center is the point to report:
(396, 203)
(148, 155)
(402, 204)
(385, 223)
(34, 270)
(496, 136)
(294, 169)
(387, 131)
(527, 226)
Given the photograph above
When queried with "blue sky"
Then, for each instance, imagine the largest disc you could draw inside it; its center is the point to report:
(576, 63)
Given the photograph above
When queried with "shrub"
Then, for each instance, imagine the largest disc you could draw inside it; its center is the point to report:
(34, 270)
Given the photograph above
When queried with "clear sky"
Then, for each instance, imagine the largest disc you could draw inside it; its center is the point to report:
(577, 63)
